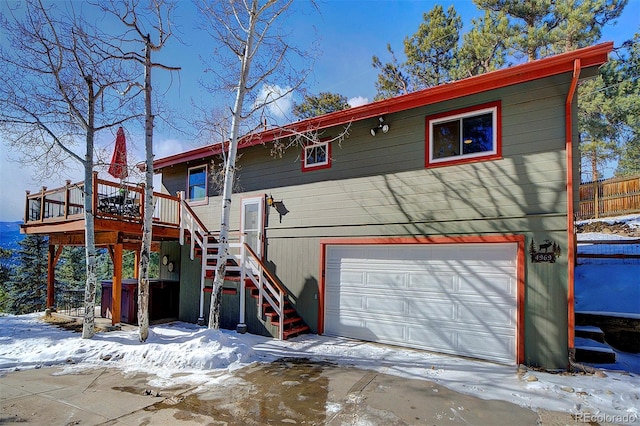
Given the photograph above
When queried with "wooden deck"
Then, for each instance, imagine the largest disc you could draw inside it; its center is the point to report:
(118, 212)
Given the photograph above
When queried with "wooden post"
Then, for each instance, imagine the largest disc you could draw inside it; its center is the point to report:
(66, 198)
(27, 216)
(116, 288)
(136, 263)
(42, 202)
(51, 277)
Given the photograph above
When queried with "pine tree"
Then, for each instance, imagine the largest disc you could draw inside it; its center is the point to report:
(71, 269)
(324, 103)
(5, 273)
(430, 54)
(27, 287)
(628, 96)
(540, 28)
(609, 115)
(483, 49)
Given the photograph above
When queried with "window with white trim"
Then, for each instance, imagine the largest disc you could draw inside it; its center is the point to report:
(317, 156)
(465, 135)
(197, 183)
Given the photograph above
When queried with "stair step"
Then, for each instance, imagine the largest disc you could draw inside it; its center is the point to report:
(273, 314)
(287, 321)
(295, 331)
(594, 352)
(589, 332)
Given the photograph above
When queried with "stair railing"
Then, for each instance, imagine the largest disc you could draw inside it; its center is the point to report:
(268, 287)
(189, 221)
(249, 265)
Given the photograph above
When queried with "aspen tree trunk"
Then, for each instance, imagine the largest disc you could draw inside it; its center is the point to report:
(147, 227)
(223, 249)
(88, 323)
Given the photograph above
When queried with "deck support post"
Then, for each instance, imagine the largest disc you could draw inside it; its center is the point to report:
(136, 262)
(116, 289)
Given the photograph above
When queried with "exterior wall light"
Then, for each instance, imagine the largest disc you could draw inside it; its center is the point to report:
(382, 126)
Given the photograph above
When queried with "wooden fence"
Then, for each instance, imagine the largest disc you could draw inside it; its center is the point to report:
(614, 197)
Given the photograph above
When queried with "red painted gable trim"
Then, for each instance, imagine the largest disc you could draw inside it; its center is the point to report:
(589, 56)
(469, 239)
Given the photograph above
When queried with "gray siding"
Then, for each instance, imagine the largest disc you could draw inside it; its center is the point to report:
(378, 186)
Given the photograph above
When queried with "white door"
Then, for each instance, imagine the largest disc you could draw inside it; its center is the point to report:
(452, 298)
(251, 229)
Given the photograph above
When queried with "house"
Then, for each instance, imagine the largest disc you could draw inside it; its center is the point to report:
(444, 221)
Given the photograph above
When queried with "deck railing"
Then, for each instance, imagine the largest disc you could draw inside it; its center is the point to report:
(614, 197)
(111, 200)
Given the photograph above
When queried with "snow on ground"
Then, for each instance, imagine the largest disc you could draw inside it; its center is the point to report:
(185, 353)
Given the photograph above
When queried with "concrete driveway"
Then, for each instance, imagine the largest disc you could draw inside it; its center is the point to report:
(283, 392)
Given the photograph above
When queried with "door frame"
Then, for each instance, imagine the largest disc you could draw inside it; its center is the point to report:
(471, 239)
(260, 200)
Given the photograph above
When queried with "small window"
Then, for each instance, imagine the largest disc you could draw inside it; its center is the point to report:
(317, 156)
(462, 136)
(197, 183)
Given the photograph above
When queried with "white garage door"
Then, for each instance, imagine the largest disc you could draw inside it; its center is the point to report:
(452, 298)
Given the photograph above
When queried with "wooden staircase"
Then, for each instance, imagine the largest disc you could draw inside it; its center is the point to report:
(292, 323)
(245, 266)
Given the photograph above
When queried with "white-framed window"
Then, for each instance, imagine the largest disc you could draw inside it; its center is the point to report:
(197, 183)
(316, 156)
(465, 135)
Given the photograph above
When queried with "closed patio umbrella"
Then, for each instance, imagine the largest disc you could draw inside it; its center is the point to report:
(118, 167)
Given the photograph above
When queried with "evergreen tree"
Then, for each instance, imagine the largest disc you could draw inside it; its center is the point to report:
(324, 103)
(609, 115)
(27, 286)
(539, 28)
(628, 96)
(430, 54)
(5, 273)
(71, 269)
(483, 49)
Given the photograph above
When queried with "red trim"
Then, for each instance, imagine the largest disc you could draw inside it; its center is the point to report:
(571, 240)
(589, 56)
(313, 167)
(461, 159)
(520, 269)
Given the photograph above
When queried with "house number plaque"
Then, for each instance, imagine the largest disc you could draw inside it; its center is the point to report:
(545, 252)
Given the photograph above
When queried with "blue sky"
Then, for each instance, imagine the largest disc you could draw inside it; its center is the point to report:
(347, 34)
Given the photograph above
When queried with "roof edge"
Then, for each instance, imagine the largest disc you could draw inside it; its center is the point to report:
(595, 55)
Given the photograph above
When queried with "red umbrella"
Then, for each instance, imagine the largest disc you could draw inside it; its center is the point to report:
(118, 167)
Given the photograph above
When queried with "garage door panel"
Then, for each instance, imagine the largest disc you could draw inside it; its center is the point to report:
(486, 314)
(492, 284)
(453, 298)
(434, 282)
(382, 305)
(431, 309)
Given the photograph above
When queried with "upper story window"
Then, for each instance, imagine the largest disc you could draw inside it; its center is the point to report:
(317, 156)
(197, 183)
(466, 135)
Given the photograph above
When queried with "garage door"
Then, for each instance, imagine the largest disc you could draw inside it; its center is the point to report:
(451, 298)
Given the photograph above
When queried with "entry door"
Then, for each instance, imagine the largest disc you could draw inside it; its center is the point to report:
(252, 223)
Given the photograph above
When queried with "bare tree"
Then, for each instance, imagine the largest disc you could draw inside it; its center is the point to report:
(251, 53)
(60, 83)
(156, 17)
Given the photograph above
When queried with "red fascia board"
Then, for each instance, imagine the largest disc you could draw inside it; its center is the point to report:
(589, 56)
